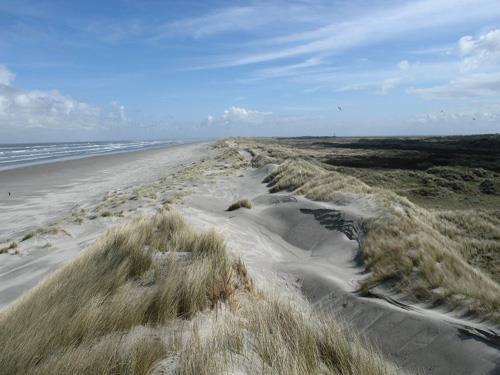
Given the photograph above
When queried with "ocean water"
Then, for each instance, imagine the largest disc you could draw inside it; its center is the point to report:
(15, 155)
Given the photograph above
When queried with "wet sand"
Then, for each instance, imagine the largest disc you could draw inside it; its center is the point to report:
(40, 193)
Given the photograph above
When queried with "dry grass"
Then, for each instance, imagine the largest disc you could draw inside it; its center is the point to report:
(428, 255)
(277, 335)
(116, 286)
(152, 295)
(77, 215)
(51, 230)
(259, 160)
(11, 246)
(242, 203)
(230, 154)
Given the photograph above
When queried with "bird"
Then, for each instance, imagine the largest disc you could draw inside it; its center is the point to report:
(9, 193)
(339, 108)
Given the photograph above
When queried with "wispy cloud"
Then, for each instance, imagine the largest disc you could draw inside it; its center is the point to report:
(470, 86)
(483, 117)
(392, 23)
(216, 22)
(113, 31)
(290, 69)
(238, 116)
(256, 18)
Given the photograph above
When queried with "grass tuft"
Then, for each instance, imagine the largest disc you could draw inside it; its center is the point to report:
(51, 230)
(242, 203)
(13, 245)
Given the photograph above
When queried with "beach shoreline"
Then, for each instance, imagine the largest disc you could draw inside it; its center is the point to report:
(50, 185)
(48, 195)
(13, 156)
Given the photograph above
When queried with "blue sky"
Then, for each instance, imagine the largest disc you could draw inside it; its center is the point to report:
(86, 70)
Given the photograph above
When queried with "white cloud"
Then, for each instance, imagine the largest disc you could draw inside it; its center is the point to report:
(482, 51)
(25, 109)
(474, 85)
(401, 77)
(482, 115)
(404, 65)
(237, 115)
(478, 74)
(208, 121)
(239, 121)
(441, 50)
(119, 110)
(389, 84)
(6, 76)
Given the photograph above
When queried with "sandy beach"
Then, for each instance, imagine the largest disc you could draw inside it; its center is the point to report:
(290, 244)
(46, 194)
(40, 193)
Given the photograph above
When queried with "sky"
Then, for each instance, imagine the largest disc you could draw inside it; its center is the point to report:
(151, 69)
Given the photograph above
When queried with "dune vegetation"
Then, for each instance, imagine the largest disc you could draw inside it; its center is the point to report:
(11, 246)
(242, 203)
(154, 296)
(51, 230)
(446, 257)
(273, 334)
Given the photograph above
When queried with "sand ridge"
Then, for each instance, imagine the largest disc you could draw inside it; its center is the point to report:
(313, 246)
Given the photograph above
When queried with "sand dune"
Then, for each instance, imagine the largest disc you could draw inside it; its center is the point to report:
(289, 244)
(45, 194)
(313, 246)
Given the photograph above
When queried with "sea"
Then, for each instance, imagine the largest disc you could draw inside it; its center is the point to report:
(16, 155)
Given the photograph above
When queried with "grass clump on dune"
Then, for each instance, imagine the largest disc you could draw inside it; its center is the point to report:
(51, 230)
(92, 316)
(242, 203)
(278, 335)
(262, 159)
(429, 255)
(230, 154)
(11, 246)
(154, 296)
